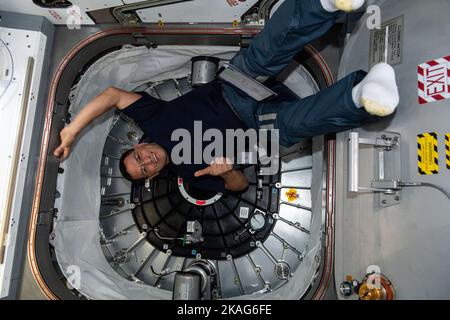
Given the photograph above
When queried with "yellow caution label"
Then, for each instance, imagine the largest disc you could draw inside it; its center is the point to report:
(428, 155)
(292, 195)
(447, 150)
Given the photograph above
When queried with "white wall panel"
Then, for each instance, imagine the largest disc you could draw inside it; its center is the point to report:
(22, 44)
(55, 16)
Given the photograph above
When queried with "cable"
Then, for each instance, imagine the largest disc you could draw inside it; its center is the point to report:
(155, 231)
(161, 274)
(426, 184)
(12, 69)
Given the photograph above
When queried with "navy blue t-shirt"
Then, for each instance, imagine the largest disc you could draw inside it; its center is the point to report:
(158, 119)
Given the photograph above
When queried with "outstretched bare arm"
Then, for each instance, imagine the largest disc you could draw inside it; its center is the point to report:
(107, 100)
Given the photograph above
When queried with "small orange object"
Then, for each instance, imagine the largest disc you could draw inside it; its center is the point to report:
(370, 290)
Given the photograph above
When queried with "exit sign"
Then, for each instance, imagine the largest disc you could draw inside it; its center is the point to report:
(434, 80)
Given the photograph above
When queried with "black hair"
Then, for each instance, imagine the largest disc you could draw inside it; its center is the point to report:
(123, 168)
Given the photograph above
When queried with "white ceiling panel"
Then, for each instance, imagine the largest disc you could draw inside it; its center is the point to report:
(198, 11)
(131, 1)
(89, 5)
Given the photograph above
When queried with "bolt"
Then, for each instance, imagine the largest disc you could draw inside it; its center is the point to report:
(384, 202)
(346, 289)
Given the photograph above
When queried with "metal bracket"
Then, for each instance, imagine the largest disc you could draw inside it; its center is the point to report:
(142, 39)
(45, 218)
(387, 183)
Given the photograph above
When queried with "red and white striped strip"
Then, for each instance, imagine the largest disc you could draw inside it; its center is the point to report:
(434, 80)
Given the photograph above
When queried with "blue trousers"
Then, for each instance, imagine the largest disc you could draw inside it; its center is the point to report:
(295, 24)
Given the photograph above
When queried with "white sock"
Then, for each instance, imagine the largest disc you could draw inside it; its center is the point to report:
(377, 92)
(344, 5)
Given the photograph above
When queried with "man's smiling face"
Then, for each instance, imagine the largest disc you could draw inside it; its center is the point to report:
(146, 161)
